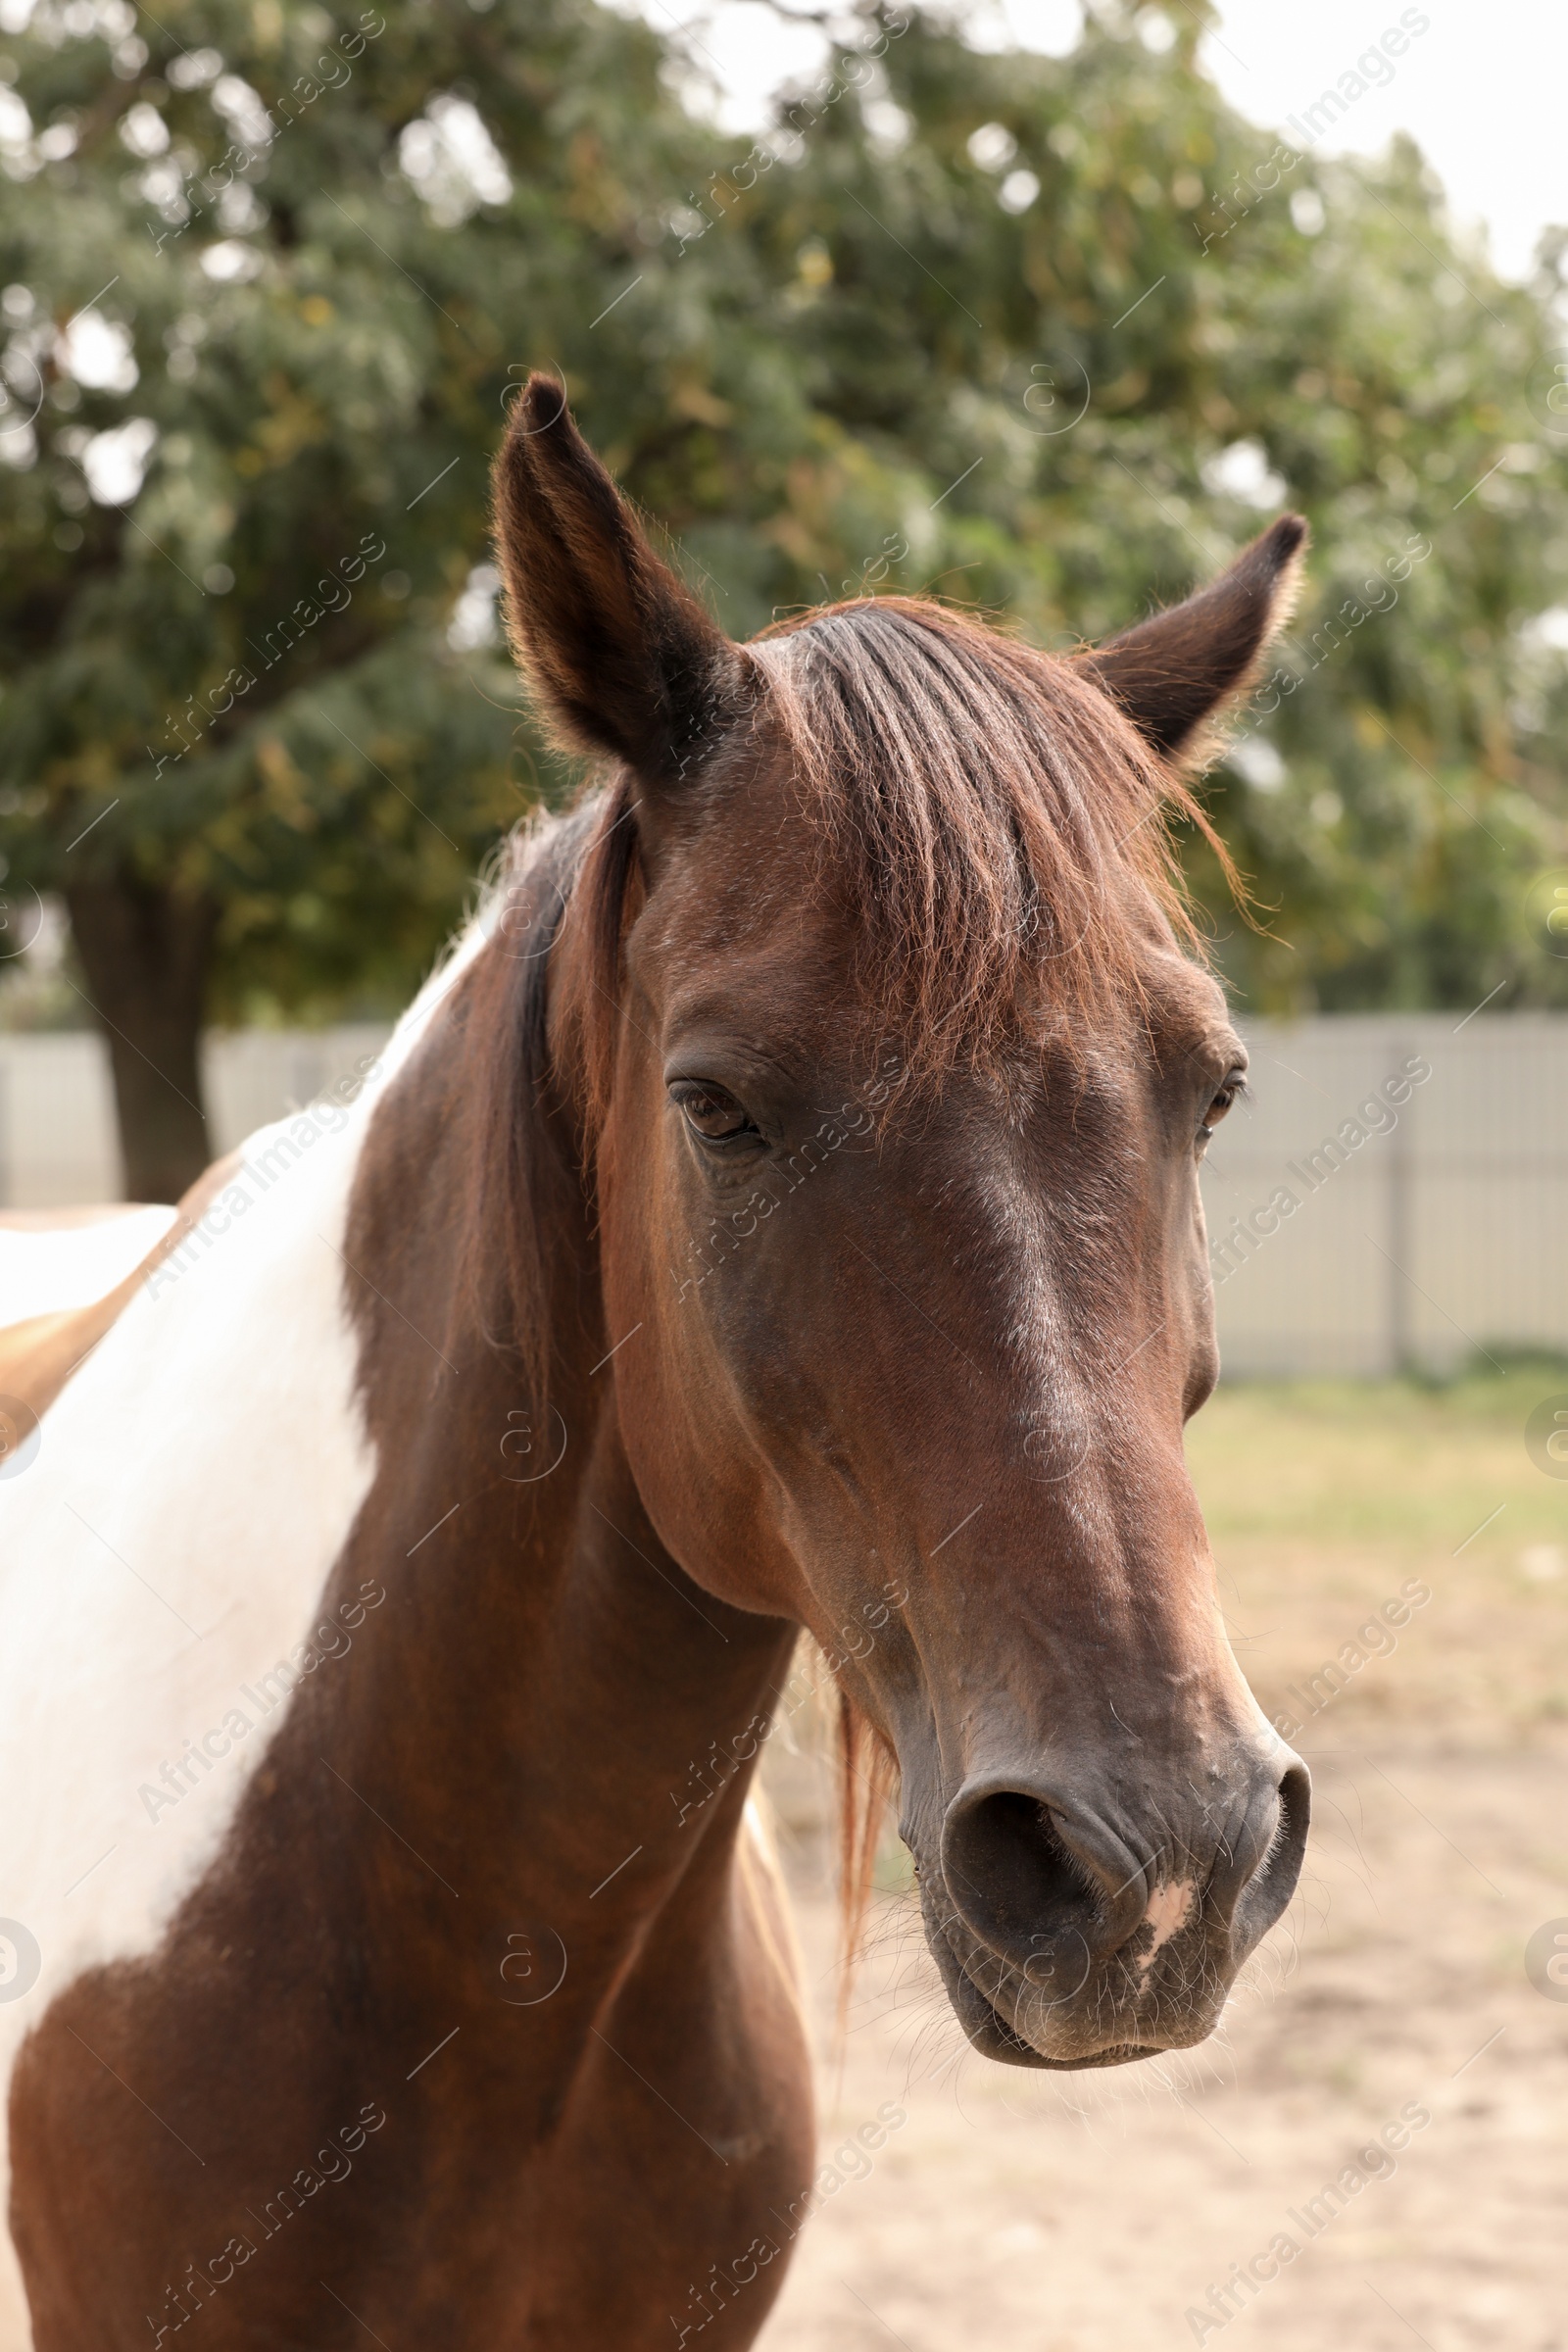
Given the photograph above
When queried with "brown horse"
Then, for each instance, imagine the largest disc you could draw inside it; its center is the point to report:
(783, 1212)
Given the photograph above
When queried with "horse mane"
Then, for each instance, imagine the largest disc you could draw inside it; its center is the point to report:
(995, 830)
(522, 1145)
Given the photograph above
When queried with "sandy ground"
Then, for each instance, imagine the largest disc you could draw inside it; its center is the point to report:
(1091, 2213)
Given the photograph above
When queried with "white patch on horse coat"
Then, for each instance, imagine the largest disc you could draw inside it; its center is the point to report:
(169, 1545)
(42, 1271)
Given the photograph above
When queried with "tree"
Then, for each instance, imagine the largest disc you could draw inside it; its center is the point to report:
(1045, 336)
(247, 459)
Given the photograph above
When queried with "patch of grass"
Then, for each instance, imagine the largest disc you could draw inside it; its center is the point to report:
(1323, 1497)
(1396, 1462)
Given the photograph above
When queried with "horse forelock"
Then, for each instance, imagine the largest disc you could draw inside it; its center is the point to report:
(994, 830)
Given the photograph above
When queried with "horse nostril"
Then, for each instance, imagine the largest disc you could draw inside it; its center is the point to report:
(1041, 1888)
(1016, 1882)
(1273, 1882)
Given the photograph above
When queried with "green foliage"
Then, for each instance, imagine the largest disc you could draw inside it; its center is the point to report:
(849, 353)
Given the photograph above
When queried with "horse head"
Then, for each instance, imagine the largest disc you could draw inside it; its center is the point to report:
(895, 1060)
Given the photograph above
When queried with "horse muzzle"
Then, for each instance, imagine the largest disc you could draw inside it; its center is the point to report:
(1065, 1938)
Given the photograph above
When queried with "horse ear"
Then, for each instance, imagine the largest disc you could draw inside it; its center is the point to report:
(1172, 673)
(623, 657)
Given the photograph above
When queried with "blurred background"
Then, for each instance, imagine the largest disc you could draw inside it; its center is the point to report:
(1044, 310)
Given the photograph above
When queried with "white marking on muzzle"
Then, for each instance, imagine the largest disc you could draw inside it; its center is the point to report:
(1169, 1909)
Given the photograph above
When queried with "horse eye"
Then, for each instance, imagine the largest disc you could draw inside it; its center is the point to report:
(713, 1114)
(1234, 1086)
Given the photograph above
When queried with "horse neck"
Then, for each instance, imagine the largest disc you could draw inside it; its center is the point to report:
(542, 1678)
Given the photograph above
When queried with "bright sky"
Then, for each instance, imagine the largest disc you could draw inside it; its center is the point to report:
(1481, 90)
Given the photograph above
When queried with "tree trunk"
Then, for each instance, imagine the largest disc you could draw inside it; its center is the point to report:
(145, 950)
